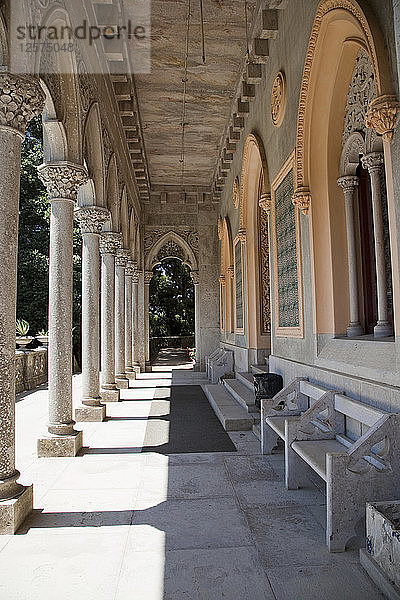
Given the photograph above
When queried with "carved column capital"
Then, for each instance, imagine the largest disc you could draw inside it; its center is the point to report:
(348, 183)
(148, 275)
(222, 279)
(130, 269)
(122, 257)
(110, 242)
(265, 202)
(231, 271)
(382, 115)
(62, 180)
(373, 162)
(135, 276)
(302, 199)
(21, 99)
(91, 218)
(195, 277)
(242, 235)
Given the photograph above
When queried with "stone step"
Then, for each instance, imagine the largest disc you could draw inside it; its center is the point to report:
(232, 416)
(257, 431)
(242, 394)
(259, 369)
(247, 379)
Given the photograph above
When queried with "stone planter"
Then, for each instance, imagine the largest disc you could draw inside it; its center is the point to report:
(266, 385)
(43, 339)
(381, 558)
(23, 341)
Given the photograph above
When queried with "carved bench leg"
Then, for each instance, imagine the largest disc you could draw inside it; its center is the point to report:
(269, 438)
(296, 470)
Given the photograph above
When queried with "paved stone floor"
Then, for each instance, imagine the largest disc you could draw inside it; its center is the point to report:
(118, 524)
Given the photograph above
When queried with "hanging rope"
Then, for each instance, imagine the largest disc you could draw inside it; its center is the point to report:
(203, 41)
(184, 81)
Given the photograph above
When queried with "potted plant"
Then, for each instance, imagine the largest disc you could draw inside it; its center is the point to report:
(43, 337)
(21, 329)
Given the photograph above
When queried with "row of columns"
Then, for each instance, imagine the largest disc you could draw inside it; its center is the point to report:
(373, 163)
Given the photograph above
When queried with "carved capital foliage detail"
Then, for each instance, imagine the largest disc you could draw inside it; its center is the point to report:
(265, 203)
(222, 279)
(92, 218)
(242, 235)
(148, 275)
(130, 269)
(110, 242)
(348, 183)
(382, 116)
(122, 257)
(62, 180)
(302, 200)
(231, 271)
(21, 99)
(373, 162)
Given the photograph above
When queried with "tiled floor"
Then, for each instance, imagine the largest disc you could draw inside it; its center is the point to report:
(118, 524)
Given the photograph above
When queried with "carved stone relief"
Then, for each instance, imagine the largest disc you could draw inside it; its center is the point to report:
(152, 236)
(278, 99)
(362, 91)
(264, 274)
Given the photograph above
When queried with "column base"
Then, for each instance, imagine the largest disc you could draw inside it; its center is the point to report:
(136, 368)
(147, 367)
(354, 330)
(90, 413)
(110, 395)
(122, 383)
(131, 375)
(383, 329)
(60, 445)
(14, 512)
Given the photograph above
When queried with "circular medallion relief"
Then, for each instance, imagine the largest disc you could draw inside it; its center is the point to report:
(278, 99)
(236, 193)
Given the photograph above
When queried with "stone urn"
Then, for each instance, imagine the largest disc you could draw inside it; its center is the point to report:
(43, 339)
(23, 341)
(266, 385)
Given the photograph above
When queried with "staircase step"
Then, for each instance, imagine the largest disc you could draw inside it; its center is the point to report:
(247, 379)
(232, 416)
(242, 394)
(259, 369)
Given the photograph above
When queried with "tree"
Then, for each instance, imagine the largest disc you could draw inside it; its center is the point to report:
(171, 300)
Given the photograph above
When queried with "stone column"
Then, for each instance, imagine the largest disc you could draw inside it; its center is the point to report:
(110, 243)
(21, 98)
(196, 280)
(62, 181)
(135, 303)
(121, 260)
(148, 275)
(349, 184)
(373, 162)
(91, 220)
(129, 372)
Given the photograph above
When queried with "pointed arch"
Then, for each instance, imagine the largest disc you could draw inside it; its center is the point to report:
(187, 256)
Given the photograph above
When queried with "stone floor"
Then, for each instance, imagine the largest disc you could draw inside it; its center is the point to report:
(120, 524)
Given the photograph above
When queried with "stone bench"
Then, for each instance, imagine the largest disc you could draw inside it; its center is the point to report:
(218, 352)
(219, 365)
(312, 421)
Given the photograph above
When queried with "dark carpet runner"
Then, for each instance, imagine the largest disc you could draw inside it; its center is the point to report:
(193, 425)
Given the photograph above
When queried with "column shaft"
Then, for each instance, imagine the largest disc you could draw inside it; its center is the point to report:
(120, 377)
(128, 321)
(147, 278)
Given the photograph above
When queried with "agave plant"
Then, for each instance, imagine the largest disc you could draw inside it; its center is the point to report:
(44, 332)
(22, 327)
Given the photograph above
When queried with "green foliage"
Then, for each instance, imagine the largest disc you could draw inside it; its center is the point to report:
(34, 240)
(171, 300)
(22, 327)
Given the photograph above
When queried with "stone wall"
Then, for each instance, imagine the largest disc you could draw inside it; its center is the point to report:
(30, 369)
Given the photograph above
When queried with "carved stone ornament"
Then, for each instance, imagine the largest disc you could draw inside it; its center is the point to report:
(21, 99)
(110, 242)
(122, 257)
(195, 277)
(362, 91)
(220, 228)
(148, 276)
(265, 202)
(278, 99)
(62, 180)
(190, 237)
(170, 250)
(236, 193)
(231, 271)
(130, 269)
(92, 218)
(373, 162)
(382, 116)
(242, 235)
(348, 183)
(222, 279)
(302, 200)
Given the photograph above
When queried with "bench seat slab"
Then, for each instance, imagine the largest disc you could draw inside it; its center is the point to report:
(314, 453)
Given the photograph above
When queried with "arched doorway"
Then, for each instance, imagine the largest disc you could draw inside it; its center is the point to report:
(171, 310)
